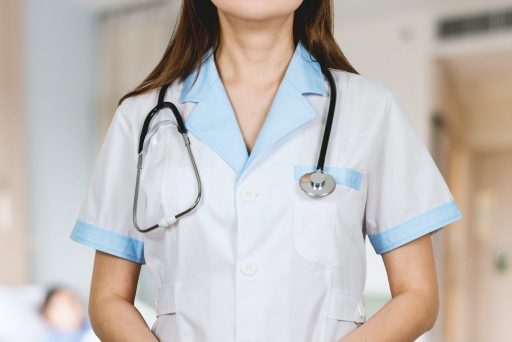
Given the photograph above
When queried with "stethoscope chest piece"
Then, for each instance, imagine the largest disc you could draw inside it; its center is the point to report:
(317, 183)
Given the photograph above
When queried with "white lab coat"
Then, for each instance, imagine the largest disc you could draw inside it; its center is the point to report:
(258, 260)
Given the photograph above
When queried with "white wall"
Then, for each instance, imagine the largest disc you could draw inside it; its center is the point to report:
(60, 78)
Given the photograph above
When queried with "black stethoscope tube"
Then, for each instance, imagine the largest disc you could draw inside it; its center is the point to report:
(182, 129)
(330, 117)
(315, 184)
(161, 105)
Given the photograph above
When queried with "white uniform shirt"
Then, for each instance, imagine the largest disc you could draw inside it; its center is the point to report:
(259, 260)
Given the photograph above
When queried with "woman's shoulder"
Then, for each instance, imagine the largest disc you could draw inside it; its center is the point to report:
(136, 107)
(368, 101)
(361, 87)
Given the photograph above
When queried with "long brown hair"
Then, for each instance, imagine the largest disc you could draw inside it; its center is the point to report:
(198, 29)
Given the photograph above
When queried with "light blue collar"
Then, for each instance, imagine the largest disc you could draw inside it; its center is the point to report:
(213, 121)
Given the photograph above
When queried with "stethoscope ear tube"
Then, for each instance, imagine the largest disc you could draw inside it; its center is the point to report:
(315, 184)
(142, 149)
(161, 105)
(136, 200)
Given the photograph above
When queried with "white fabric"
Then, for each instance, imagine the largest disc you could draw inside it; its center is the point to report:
(258, 260)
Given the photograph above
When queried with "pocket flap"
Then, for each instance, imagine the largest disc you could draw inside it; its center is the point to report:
(347, 307)
(165, 301)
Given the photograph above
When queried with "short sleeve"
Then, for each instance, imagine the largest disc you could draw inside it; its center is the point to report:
(105, 218)
(407, 196)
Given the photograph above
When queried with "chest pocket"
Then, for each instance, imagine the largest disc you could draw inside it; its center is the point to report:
(323, 227)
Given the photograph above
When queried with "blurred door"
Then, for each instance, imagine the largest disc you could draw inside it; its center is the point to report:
(13, 242)
(491, 247)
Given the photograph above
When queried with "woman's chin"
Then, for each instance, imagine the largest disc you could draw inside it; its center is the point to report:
(255, 10)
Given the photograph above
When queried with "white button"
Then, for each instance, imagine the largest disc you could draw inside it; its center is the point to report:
(248, 267)
(248, 194)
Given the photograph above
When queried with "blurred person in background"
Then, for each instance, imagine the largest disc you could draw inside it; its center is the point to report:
(65, 317)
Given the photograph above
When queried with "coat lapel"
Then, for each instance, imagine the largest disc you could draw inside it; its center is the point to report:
(213, 120)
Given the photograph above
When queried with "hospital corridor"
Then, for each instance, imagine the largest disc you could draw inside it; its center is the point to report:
(64, 65)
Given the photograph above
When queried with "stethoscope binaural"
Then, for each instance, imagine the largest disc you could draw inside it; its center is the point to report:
(315, 184)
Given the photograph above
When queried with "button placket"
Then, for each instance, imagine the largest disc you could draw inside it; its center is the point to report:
(246, 195)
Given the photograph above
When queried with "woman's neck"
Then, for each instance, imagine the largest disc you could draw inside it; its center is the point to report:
(254, 52)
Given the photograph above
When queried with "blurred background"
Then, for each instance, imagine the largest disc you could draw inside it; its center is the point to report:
(65, 63)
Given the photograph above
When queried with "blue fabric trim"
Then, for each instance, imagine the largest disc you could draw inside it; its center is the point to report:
(416, 227)
(213, 121)
(303, 72)
(108, 241)
(220, 132)
(342, 175)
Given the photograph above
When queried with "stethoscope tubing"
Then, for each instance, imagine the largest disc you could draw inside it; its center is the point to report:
(330, 118)
(307, 184)
(161, 105)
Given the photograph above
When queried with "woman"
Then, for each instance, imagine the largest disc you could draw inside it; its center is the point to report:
(258, 259)
(65, 320)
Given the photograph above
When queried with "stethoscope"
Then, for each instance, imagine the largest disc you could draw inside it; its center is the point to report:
(315, 184)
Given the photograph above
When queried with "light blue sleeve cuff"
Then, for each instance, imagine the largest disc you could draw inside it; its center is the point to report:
(108, 241)
(416, 227)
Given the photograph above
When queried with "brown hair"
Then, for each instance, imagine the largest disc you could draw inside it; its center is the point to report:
(198, 29)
